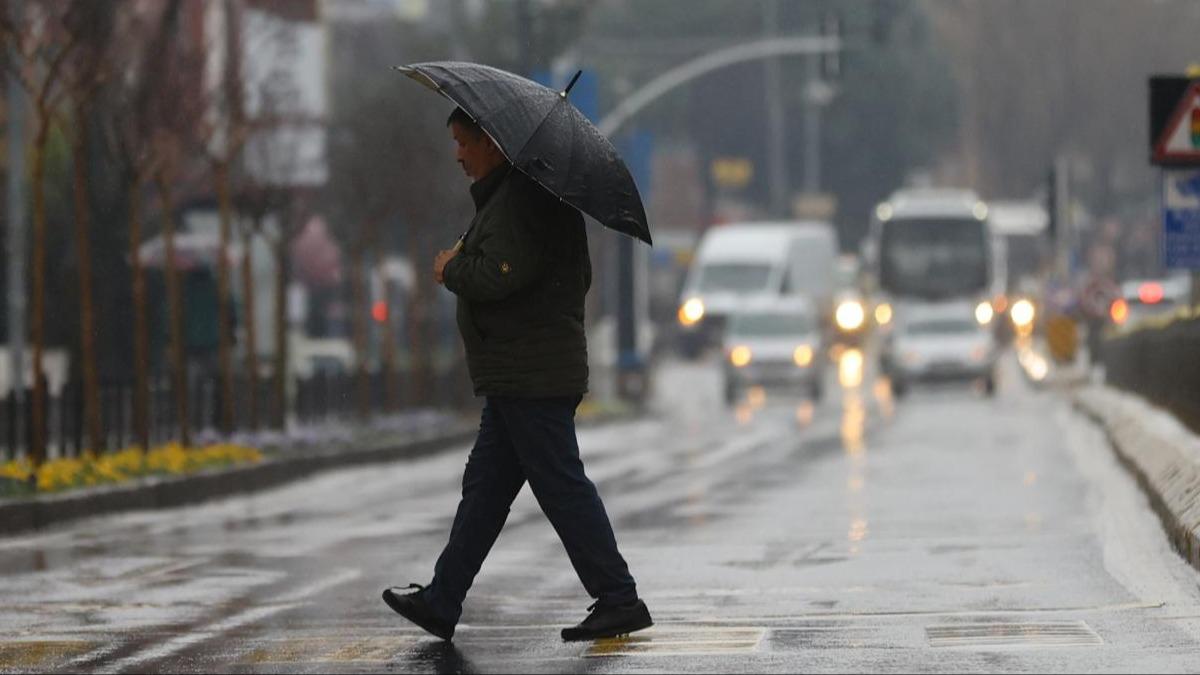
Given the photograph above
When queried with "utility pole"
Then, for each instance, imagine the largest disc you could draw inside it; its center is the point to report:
(16, 219)
(777, 173)
(525, 36)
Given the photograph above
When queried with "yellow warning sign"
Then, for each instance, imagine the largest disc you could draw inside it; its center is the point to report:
(1062, 336)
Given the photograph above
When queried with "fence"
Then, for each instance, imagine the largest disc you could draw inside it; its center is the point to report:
(1161, 364)
(321, 398)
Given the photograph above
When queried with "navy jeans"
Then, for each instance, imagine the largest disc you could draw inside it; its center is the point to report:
(533, 440)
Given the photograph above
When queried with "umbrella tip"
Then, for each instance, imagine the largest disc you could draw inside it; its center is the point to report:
(571, 83)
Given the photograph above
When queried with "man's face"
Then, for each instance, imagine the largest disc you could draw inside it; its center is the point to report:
(475, 151)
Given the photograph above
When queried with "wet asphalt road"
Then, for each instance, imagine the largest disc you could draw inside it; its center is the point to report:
(946, 532)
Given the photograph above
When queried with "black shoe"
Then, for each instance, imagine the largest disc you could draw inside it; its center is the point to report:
(611, 621)
(414, 608)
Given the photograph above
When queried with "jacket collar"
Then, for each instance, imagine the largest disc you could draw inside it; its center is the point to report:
(484, 188)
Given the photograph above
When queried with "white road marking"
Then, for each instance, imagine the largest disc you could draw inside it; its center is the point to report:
(245, 617)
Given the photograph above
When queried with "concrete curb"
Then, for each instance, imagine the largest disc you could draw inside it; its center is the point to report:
(1162, 453)
(38, 512)
(34, 513)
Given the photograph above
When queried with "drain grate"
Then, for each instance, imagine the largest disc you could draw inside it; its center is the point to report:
(997, 634)
(682, 641)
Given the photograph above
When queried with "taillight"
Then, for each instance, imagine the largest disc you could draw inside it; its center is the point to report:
(1119, 311)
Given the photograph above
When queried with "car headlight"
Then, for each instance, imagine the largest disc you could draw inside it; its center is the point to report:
(883, 314)
(740, 356)
(984, 313)
(691, 312)
(850, 315)
(803, 356)
(1022, 313)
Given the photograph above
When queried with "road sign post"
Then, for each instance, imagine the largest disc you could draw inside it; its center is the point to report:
(1175, 146)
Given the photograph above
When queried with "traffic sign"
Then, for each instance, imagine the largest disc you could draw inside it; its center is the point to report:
(1181, 219)
(1180, 138)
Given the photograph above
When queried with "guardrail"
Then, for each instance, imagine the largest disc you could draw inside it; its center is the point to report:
(1160, 361)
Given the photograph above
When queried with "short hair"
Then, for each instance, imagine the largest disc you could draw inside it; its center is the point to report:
(461, 118)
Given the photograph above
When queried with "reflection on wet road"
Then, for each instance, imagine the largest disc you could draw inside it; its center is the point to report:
(947, 531)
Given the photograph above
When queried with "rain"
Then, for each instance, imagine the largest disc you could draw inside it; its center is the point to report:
(874, 327)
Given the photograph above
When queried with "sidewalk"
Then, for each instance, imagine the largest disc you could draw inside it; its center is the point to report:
(1160, 451)
(288, 457)
(1153, 445)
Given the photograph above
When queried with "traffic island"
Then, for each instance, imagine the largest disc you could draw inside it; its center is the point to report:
(1160, 451)
(273, 466)
(239, 466)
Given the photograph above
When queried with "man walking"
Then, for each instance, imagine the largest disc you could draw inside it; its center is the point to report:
(520, 274)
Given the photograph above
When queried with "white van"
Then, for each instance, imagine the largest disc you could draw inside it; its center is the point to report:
(737, 262)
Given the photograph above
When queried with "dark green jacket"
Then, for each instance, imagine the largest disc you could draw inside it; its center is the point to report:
(521, 278)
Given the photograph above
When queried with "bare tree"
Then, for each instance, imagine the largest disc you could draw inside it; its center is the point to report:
(44, 45)
(263, 192)
(130, 128)
(90, 26)
(1046, 79)
(175, 122)
(224, 147)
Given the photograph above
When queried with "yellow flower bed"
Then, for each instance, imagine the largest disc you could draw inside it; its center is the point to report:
(171, 459)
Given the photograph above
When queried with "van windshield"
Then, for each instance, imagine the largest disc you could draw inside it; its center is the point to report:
(771, 324)
(733, 277)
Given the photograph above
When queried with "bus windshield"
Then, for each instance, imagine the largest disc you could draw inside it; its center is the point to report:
(934, 258)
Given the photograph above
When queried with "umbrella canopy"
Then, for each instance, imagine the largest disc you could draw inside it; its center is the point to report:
(545, 137)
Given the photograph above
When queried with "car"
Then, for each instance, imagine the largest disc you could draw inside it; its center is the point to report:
(737, 262)
(851, 319)
(775, 343)
(1143, 299)
(939, 342)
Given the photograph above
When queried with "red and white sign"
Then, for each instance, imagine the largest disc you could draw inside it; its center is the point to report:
(1180, 141)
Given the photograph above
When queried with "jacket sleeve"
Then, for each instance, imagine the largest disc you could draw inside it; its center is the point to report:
(507, 258)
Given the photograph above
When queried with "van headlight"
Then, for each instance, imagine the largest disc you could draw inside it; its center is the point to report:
(740, 356)
(691, 312)
(850, 315)
(984, 313)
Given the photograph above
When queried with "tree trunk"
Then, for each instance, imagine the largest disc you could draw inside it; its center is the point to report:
(251, 332)
(37, 434)
(175, 304)
(282, 372)
(224, 322)
(359, 307)
(389, 349)
(141, 346)
(87, 333)
(418, 306)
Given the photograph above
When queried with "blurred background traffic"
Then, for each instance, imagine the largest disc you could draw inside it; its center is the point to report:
(220, 216)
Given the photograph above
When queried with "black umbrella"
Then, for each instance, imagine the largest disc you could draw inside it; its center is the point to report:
(544, 136)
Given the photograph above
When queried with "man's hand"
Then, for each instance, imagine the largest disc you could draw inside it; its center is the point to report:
(439, 264)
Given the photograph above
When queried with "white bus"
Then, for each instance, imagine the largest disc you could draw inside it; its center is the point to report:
(931, 245)
(929, 253)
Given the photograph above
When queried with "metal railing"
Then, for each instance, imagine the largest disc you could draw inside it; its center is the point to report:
(321, 397)
(1161, 363)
